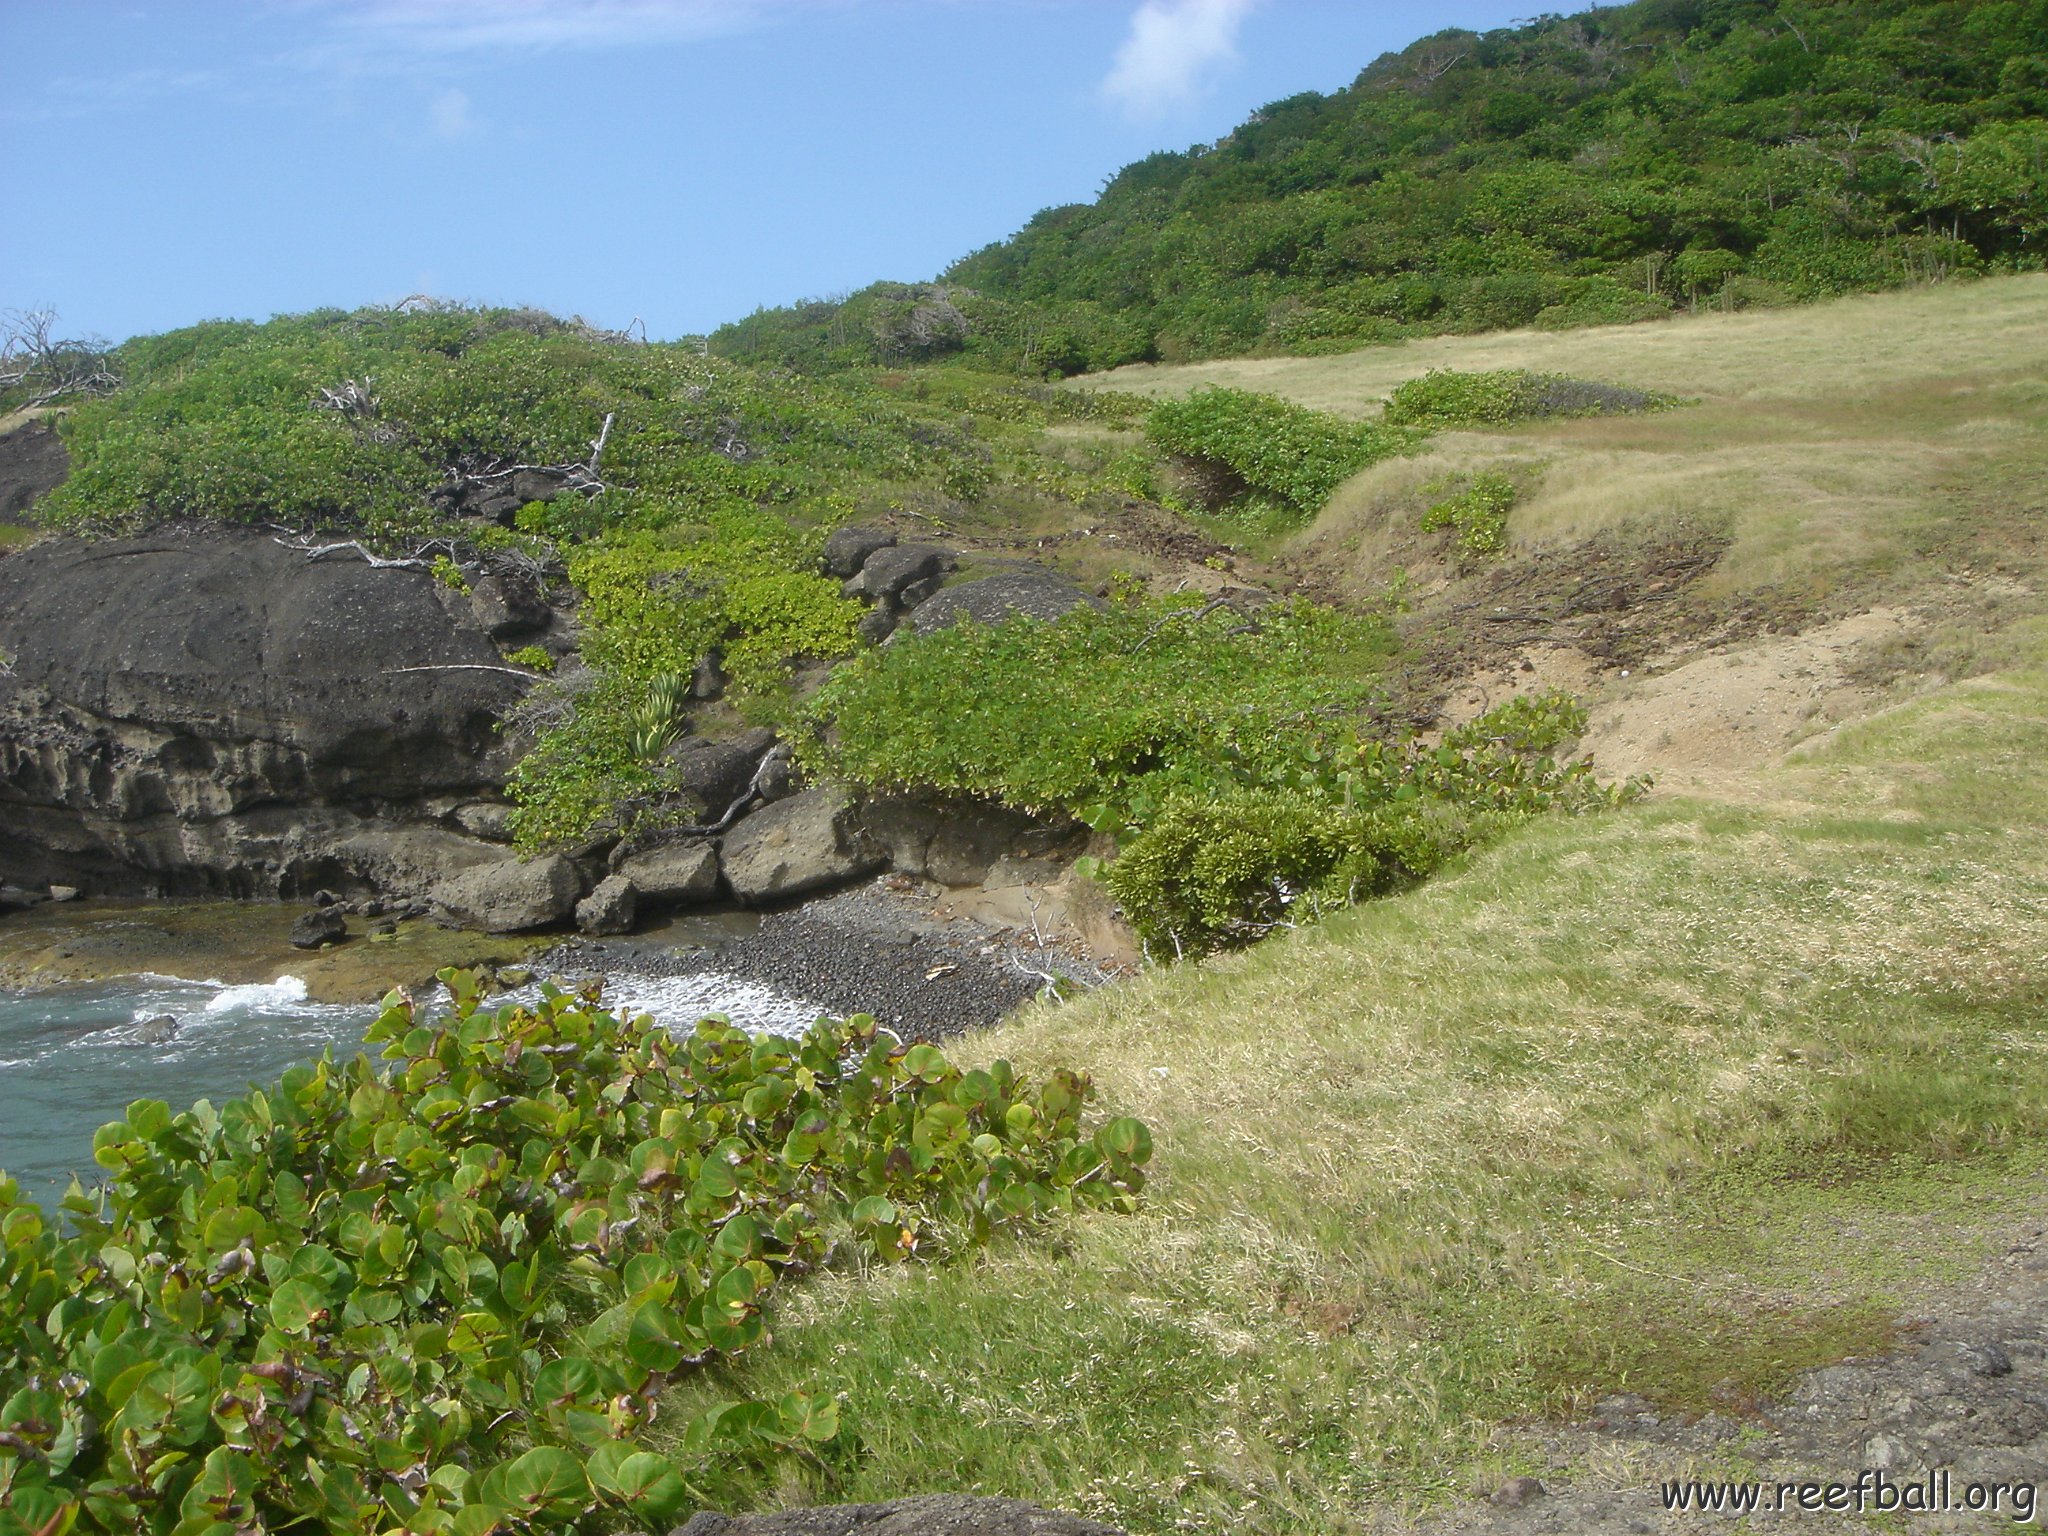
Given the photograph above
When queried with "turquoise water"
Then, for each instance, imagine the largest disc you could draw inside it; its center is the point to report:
(72, 1058)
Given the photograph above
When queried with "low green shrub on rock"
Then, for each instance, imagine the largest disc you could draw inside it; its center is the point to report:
(1247, 445)
(1101, 713)
(1445, 397)
(442, 1294)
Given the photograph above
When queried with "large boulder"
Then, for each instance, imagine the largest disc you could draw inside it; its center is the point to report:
(953, 840)
(716, 773)
(935, 1514)
(610, 908)
(509, 605)
(206, 710)
(1032, 591)
(674, 873)
(319, 928)
(512, 895)
(847, 549)
(812, 839)
(887, 572)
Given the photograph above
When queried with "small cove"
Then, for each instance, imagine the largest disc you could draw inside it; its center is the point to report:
(75, 1050)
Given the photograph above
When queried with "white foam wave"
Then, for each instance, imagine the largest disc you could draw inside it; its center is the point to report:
(678, 1002)
(281, 993)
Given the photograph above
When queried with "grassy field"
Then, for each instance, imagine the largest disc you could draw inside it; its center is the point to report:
(1679, 1100)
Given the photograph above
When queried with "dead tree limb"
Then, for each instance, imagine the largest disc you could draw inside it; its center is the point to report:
(746, 797)
(491, 475)
(33, 358)
(381, 562)
(1188, 615)
(466, 666)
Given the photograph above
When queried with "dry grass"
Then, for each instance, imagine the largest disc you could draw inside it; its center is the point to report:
(1845, 350)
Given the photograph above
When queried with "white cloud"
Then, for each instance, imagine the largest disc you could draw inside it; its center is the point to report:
(1172, 48)
(450, 116)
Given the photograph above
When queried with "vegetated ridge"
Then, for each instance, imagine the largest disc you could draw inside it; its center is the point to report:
(1612, 165)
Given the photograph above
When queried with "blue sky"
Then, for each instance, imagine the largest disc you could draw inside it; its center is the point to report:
(676, 161)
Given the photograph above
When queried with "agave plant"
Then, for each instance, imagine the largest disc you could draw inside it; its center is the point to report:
(659, 720)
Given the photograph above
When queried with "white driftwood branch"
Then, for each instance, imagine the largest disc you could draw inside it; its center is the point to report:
(466, 666)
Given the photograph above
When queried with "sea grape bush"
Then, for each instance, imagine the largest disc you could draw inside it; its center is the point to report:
(1347, 822)
(1280, 452)
(443, 1293)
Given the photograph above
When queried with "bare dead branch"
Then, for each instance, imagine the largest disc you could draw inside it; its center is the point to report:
(467, 666)
(352, 399)
(35, 359)
(773, 756)
(1187, 615)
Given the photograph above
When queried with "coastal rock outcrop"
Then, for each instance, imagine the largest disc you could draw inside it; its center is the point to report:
(208, 711)
(32, 461)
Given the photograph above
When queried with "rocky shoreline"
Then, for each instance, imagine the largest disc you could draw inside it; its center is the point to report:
(887, 948)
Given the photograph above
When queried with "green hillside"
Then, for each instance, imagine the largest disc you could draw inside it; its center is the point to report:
(1608, 166)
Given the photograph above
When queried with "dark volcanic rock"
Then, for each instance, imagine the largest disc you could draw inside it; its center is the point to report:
(509, 605)
(955, 841)
(672, 872)
(160, 1030)
(847, 549)
(876, 625)
(1033, 591)
(888, 571)
(808, 841)
(32, 460)
(935, 1514)
(716, 773)
(707, 678)
(319, 928)
(204, 710)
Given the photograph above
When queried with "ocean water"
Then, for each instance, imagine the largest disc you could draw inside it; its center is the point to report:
(73, 1058)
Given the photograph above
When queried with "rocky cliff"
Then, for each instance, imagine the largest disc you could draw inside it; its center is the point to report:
(208, 710)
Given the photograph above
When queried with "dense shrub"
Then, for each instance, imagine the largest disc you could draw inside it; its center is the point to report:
(1347, 822)
(1263, 446)
(1600, 167)
(1101, 713)
(441, 1295)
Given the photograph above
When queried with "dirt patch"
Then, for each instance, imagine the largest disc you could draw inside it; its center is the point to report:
(1562, 615)
(1731, 710)
(1966, 1404)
